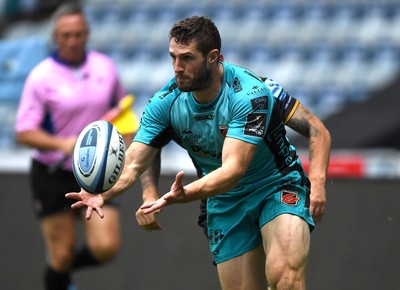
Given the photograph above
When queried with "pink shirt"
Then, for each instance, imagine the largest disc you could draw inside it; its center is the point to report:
(69, 98)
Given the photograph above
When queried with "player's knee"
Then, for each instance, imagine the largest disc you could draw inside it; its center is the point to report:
(285, 277)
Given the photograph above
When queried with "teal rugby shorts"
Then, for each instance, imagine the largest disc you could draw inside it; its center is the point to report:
(235, 219)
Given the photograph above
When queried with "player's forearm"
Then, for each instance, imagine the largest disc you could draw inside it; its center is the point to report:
(128, 177)
(219, 181)
(149, 180)
(319, 153)
(236, 158)
(137, 159)
(42, 140)
(319, 140)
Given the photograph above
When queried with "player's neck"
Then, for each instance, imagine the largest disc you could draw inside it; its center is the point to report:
(211, 92)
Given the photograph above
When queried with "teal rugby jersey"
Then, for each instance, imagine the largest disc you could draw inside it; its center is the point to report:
(244, 109)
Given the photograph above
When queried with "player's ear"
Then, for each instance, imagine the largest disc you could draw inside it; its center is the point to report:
(213, 55)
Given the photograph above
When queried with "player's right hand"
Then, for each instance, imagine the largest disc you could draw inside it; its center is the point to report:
(94, 202)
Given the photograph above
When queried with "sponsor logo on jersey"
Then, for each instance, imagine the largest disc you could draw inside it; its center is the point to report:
(289, 197)
(256, 90)
(277, 137)
(199, 151)
(204, 117)
(189, 137)
(255, 124)
(260, 103)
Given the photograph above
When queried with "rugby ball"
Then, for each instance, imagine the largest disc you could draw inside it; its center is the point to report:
(98, 157)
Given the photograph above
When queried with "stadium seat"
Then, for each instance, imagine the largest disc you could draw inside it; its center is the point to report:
(17, 58)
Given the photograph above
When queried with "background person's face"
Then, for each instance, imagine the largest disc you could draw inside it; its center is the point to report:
(70, 36)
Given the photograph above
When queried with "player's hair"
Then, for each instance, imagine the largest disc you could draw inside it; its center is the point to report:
(200, 29)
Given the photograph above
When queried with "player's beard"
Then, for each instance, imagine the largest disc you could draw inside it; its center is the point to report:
(200, 80)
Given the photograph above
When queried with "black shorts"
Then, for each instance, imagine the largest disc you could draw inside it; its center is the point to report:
(49, 187)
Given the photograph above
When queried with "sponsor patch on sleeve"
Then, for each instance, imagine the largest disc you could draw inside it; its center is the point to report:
(255, 124)
(260, 103)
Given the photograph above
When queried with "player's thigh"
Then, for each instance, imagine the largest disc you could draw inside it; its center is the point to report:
(103, 234)
(286, 240)
(246, 271)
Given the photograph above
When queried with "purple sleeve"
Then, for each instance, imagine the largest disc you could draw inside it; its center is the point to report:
(31, 108)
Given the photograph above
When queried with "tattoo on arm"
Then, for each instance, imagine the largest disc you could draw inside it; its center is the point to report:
(151, 176)
(301, 122)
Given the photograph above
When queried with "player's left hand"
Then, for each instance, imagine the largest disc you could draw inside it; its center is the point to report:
(317, 202)
(176, 195)
(94, 202)
(147, 222)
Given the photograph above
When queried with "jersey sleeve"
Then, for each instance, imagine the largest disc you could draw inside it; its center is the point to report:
(250, 113)
(287, 104)
(31, 110)
(154, 128)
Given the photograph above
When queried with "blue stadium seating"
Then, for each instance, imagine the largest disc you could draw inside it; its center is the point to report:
(326, 53)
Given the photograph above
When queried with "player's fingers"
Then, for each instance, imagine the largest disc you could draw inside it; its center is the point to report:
(78, 204)
(88, 213)
(73, 195)
(99, 211)
(318, 213)
(151, 209)
(147, 205)
(141, 219)
(179, 177)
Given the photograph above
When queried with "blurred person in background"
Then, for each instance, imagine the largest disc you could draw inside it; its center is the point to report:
(65, 92)
(294, 115)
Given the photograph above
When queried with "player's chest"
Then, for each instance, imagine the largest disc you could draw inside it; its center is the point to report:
(201, 128)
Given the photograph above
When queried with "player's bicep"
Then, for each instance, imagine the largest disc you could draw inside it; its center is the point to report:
(301, 121)
(237, 156)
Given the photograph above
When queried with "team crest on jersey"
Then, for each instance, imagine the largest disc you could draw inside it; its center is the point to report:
(223, 129)
(255, 124)
(289, 197)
